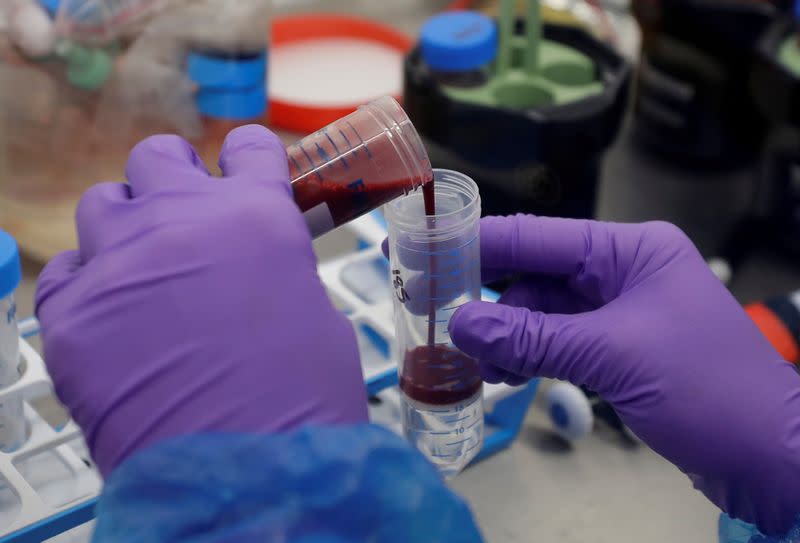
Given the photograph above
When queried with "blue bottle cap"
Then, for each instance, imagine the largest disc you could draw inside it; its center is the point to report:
(212, 71)
(458, 41)
(797, 9)
(50, 5)
(10, 267)
(234, 105)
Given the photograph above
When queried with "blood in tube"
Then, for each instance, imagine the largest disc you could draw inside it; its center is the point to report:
(357, 164)
(348, 200)
(429, 198)
(439, 375)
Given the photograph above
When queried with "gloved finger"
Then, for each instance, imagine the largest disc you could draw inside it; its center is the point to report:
(527, 343)
(448, 276)
(492, 374)
(545, 294)
(98, 215)
(414, 253)
(423, 290)
(516, 380)
(57, 274)
(439, 274)
(488, 275)
(544, 245)
(163, 162)
(540, 293)
(409, 255)
(257, 153)
(492, 235)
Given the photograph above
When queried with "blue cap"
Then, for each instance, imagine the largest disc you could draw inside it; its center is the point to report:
(50, 5)
(10, 268)
(797, 8)
(234, 105)
(458, 41)
(217, 71)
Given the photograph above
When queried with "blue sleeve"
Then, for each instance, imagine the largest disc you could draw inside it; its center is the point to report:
(319, 484)
(737, 531)
(792, 536)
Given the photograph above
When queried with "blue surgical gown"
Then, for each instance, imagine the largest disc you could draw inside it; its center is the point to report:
(318, 484)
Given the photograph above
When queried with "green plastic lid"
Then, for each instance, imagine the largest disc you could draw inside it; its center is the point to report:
(87, 68)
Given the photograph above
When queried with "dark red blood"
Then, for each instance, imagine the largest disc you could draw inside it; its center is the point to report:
(429, 197)
(439, 375)
(346, 202)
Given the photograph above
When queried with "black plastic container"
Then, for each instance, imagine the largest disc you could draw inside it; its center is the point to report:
(693, 102)
(774, 220)
(544, 160)
(777, 93)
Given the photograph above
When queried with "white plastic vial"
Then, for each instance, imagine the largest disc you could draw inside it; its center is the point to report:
(13, 429)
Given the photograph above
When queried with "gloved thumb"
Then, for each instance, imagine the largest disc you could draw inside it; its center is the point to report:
(529, 343)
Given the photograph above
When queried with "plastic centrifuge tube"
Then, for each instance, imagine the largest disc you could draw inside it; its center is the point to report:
(435, 269)
(357, 164)
(13, 429)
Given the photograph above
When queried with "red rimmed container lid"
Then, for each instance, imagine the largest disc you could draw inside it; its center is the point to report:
(296, 103)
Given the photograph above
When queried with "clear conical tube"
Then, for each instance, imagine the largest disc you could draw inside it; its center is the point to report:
(357, 164)
(435, 267)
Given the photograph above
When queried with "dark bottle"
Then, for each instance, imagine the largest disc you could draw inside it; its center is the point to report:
(458, 47)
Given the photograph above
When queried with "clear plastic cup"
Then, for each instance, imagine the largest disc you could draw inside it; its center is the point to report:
(357, 164)
(435, 269)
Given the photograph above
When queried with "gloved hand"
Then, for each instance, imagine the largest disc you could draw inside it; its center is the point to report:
(194, 305)
(633, 313)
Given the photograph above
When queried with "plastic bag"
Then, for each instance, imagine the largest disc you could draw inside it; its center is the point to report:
(108, 74)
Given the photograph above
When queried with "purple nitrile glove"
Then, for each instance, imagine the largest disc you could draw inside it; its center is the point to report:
(194, 305)
(633, 313)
